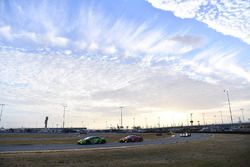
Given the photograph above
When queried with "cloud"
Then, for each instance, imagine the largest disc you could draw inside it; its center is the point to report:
(5, 32)
(96, 32)
(48, 39)
(188, 39)
(55, 40)
(215, 65)
(39, 83)
(227, 17)
(123, 38)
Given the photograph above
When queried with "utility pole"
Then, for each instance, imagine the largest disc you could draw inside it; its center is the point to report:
(221, 117)
(2, 105)
(146, 122)
(121, 115)
(203, 116)
(173, 122)
(229, 105)
(133, 119)
(159, 122)
(243, 118)
(64, 109)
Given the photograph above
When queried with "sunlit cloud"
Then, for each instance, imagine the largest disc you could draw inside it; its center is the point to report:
(227, 17)
(5, 32)
(214, 65)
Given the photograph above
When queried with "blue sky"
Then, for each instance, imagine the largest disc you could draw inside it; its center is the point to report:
(158, 58)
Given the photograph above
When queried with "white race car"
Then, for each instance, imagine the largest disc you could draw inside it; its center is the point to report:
(185, 134)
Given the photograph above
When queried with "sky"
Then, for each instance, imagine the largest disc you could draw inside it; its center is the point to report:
(160, 59)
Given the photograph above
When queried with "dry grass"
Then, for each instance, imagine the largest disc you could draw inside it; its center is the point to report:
(33, 135)
(29, 139)
(221, 151)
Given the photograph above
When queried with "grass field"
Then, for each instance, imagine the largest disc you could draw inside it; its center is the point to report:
(219, 151)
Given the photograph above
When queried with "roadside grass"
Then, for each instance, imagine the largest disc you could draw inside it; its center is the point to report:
(43, 141)
(33, 135)
(218, 151)
(31, 139)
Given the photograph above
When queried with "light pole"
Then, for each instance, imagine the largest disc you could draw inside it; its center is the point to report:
(1, 112)
(187, 121)
(243, 118)
(203, 116)
(121, 116)
(159, 122)
(64, 109)
(221, 117)
(133, 119)
(229, 105)
(146, 122)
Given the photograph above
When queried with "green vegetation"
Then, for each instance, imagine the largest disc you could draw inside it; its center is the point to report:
(219, 151)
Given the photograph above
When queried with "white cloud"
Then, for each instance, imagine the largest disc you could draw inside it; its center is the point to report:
(110, 50)
(126, 39)
(67, 52)
(5, 32)
(54, 40)
(227, 17)
(95, 32)
(48, 39)
(93, 46)
(39, 84)
(215, 65)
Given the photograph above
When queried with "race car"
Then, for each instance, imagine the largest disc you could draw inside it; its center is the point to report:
(185, 134)
(131, 138)
(92, 140)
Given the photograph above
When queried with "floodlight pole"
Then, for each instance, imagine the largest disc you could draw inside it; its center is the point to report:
(221, 117)
(243, 118)
(1, 112)
(64, 109)
(203, 116)
(229, 105)
(121, 115)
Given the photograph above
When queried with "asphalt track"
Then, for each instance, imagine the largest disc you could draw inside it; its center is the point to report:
(68, 147)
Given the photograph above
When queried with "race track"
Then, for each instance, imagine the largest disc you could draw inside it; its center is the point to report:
(65, 147)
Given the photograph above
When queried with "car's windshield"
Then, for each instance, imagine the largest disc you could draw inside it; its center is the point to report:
(89, 137)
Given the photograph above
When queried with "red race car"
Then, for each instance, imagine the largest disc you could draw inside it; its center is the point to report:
(131, 138)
